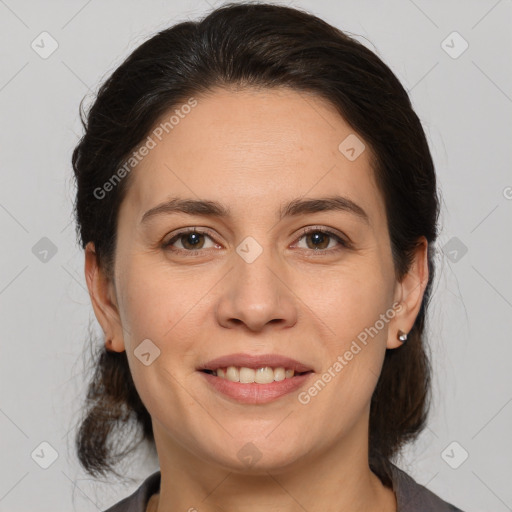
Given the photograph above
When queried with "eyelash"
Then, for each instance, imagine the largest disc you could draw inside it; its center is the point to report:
(343, 243)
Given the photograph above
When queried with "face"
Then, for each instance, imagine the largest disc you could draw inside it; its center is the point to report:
(313, 283)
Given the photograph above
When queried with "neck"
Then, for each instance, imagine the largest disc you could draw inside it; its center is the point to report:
(337, 479)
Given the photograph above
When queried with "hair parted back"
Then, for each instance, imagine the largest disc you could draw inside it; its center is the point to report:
(258, 45)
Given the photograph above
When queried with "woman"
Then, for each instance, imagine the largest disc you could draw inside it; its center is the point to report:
(258, 207)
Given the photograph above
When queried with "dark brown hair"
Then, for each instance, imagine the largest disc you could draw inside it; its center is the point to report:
(258, 45)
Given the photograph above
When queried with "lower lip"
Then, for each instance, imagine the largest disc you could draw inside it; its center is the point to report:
(256, 393)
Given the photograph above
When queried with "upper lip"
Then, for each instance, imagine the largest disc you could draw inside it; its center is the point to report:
(256, 361)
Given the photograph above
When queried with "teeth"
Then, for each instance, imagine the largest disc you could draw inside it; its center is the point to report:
(232, 374)
(264, 375)
(246, 375)
(279, 374)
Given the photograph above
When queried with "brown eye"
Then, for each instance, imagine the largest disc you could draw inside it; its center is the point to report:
(320, 240)
(191, 241)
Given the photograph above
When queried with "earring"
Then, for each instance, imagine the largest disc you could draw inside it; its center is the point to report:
(402, 336)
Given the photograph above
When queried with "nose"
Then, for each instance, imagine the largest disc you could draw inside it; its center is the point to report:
(256, 294)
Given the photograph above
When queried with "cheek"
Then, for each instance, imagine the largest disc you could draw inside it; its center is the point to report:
(166, 310)
(159, 305)
(355, 307)
(350, 300)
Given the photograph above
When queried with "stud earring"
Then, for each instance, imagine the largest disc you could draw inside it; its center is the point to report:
(402, 336)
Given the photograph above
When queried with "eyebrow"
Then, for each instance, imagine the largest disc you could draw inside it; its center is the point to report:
(293, 208)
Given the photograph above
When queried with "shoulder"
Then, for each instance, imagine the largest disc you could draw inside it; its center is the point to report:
(414, 497)
(137, 502)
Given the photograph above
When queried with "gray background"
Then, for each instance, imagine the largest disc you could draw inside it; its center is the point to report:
(465, 104)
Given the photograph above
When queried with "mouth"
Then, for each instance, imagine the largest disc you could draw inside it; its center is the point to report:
(257, 379)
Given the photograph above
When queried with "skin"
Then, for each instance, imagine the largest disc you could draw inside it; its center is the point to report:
(253, 150)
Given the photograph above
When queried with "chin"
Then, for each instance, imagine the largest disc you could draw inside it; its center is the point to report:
(256, 458)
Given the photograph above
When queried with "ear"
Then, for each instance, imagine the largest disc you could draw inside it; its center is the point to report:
(409, 295)
(103, 299)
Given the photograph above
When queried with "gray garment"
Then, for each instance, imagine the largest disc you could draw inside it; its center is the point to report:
(411, 496)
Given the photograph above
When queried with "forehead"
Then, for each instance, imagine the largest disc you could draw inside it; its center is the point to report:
(248, 145)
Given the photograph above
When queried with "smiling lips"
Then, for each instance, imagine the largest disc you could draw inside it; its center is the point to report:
(255, 379)
(240, 367)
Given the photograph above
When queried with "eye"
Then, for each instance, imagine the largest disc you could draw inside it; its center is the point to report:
(319, 240)
(192, 241)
